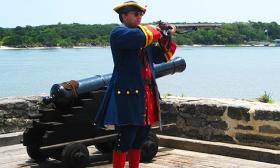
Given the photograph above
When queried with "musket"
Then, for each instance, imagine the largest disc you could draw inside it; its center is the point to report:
(185, 27)
(165, 29)
(194, 26)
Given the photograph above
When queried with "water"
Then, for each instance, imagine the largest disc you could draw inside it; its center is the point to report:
(240, 72)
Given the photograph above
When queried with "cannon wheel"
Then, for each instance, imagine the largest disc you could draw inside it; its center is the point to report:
(150, 148)
(35, 153)
(56, 154)
(75, 155)
(105, 147)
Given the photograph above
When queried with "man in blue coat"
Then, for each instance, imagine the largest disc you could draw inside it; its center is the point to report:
(131, 102)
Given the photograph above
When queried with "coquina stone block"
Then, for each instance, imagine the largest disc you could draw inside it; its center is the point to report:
(239, 113)
(269, 129)
(263, 114)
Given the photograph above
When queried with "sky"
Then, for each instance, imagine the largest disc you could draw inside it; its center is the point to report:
(44, 12)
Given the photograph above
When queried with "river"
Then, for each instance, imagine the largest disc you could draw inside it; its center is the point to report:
(219, 72)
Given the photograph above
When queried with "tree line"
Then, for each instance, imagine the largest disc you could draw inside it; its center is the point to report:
(69, 35)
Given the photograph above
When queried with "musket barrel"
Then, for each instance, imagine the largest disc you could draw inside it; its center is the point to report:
(184, 27)
(61, 96)
(191, 25)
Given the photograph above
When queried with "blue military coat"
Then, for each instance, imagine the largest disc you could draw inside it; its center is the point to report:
(123, 102)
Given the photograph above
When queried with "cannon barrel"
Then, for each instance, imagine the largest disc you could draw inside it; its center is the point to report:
(61, 96)
(175, 65)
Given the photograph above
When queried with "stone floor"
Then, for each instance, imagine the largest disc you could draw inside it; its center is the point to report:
(15, 156)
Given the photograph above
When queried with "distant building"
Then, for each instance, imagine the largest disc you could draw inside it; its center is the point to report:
(277, 42)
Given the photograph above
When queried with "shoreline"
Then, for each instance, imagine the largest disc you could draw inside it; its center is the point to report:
(87, 47)
(42, 48)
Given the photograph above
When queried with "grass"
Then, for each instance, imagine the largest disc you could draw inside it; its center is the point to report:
(170, 94)
(167, 94)
(265, 98)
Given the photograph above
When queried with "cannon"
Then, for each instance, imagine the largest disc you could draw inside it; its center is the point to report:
(64, 131)
(65, 94)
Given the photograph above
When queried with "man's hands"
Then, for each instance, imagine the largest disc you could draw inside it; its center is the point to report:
(165, 28)
(173, 28)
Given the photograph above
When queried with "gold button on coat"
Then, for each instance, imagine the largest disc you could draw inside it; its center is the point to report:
(119, 92)
(127, 92)
(136, 91)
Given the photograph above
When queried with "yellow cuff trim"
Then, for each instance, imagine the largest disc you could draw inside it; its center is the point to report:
(148, 35)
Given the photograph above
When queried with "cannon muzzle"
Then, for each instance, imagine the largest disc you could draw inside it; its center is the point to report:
(177, 64)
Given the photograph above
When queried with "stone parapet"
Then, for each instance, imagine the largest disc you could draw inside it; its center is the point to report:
(14, 112)
(225, 120)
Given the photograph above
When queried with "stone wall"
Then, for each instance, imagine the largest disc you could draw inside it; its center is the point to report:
(224, 120)
(14, 110)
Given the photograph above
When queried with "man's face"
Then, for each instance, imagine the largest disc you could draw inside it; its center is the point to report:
(133, 18)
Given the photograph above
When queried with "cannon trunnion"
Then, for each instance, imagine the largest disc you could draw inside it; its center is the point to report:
(64, 131)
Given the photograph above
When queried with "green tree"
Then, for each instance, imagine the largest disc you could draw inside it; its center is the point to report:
(68, 35)
(13, 41)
